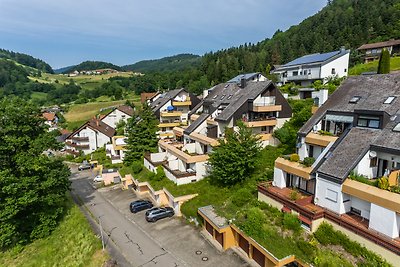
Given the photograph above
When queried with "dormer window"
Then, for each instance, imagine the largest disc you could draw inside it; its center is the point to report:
(229, 97)
(215, 97)
(222, 97)
(355, 99)
(389, 100)
(368, 121)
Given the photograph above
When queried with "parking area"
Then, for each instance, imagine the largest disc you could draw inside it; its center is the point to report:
(173, 234)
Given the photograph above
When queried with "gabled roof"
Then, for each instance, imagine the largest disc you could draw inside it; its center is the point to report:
(147, 96)
(314, 59)
(164, 98)
(379, 44)
(49, 116)
(128, 110)
(373, 90)
(246, 76)
(96, 125)
(196, 123)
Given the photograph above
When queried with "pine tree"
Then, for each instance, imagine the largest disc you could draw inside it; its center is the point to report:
(142, 137)
(384, 62)
(235, 158)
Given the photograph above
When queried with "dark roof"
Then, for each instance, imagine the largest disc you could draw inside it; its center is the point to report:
(196, 123)
(373, 90)
(218, 221)
(97, 125)
(379, 44)
(128, 110)
(233, 96)
(246, 76)
(164, 98)
(315, 58)
(146, 96)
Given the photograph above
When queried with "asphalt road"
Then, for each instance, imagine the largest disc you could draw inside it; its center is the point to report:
(136, 246)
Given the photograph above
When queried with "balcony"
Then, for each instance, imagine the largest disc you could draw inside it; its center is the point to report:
(166, 135)
(80, 139)
(170, 148)
(72, 152)
(187, 102)
(204, 139)
(319, 139)
(77, 146)
(171, 114)
(211, 121)
(261, 123)
(194, 117)
(177, 173)
(301, 77)
(178, 131)
(293, 168)
(169, 124)
(266, 108)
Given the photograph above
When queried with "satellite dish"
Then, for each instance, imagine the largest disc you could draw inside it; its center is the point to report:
(372, 154)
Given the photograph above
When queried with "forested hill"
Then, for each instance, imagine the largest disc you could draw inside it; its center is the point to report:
(92, 65)
(173, 63)
(348, 23)
(26, 60)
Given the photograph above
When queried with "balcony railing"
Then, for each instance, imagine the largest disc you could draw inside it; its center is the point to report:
(266, 108)
(178, 174)
(293, 168)
(72, 152)
(77, 146)
(261, 122)
(319, 139)
(299, 77)
(81, 139)
(171, 114)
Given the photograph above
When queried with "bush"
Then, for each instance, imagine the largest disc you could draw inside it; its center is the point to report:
(322, 132)
(291, 222)
(294, 157)
(294, 195)
(383, 183)
(241, 197)
(136, 167)
(308, 161)
(160, 175)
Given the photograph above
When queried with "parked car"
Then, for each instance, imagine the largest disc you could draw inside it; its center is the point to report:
(140, 205)
(98, 178)
(84, 167)
(155, 214)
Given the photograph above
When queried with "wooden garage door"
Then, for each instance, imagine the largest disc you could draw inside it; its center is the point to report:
(209, 228)
(244, 244)
(258, 257)
(220, 238)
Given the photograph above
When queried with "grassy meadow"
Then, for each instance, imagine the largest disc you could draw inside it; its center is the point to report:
(72, 244)
(373, 66)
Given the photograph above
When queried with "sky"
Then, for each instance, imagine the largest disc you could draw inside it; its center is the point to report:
(67, 32)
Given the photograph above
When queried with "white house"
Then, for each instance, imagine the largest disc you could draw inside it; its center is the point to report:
(116, 150)
(51, 120)
(89, 137)
(309, 68)
(121, 113)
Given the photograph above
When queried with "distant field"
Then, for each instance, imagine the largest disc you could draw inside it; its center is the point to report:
(373, 66)
(72, 244)
(38, 96)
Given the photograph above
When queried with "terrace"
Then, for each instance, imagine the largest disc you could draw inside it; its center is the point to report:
(77, 146)
(266, 107)
(185, 157)
(320, 139)
(261, 122)
(295, 168)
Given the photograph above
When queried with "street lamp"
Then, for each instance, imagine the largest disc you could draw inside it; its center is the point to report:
(101, 232)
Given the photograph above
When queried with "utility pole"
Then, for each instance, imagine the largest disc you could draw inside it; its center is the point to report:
(101, 232)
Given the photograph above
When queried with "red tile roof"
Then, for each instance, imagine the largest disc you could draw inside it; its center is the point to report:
(49, 116)
(146, 96)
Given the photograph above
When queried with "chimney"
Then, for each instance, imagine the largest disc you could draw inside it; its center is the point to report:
(242, 82)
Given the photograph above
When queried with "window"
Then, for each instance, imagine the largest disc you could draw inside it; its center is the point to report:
(215, 97)
(284, 74)
(355, 99)
(367, 121)
(333, 71)
(331, 195)
(389, 100)
(295, 73)
(309, 72)
(229, 97)
(222, 97)
(373, 162)
(345, 70)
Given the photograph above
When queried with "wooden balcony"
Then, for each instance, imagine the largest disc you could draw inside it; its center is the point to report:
(77, 146)
(261, 123)
(204, 139)
(171, 114)
(211, 121)
(293, 168)
(264, 136)
(178, 131)
(182, 155)
(72, 152)
(194, 117)
(169, 124)
(267, 108)
(182, 103)
(166, 135)
(80, 139)
(178, 174)
(320, 140)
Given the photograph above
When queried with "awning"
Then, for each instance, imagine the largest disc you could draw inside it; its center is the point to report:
(339, 118)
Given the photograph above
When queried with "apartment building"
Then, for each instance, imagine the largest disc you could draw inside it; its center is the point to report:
(118, 114)
(259, 104)
(354, 139)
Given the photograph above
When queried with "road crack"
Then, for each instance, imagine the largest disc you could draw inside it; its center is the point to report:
(155, 257)
(134, 243)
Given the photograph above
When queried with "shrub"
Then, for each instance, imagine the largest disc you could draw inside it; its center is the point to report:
(322, 132)
(241, 197)
(291, 222)
(294, 195)
(308, 161)
(395, 189)
(294, 157)
(383, 183)
(160, 174)
(136, 167)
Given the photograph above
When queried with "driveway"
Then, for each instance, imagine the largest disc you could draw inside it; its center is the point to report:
(168, 242)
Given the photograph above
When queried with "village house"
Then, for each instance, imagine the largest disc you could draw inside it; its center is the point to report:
(118, 114)
(346, 146)
(373, 51)
(90, 136)
(172, 109)
(51, 120)
(148, 97)
(116, 150)
(260, 105)
(309, 68)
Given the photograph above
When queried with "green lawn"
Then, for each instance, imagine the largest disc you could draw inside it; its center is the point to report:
(72, 244)
(373, 66)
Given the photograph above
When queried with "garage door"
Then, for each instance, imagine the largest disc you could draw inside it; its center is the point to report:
(209, 228)
(258, 257)
(244, 244)
(220, 238)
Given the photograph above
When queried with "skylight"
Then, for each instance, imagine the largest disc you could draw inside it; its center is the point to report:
(222, 97)
(397, 128)
(354, 99)
(389, 100)
(215, 97)
(229, 97)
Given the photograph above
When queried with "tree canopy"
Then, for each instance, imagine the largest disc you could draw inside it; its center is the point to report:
(235, 158)
(33, 186)
(384, 62)
(141, 131)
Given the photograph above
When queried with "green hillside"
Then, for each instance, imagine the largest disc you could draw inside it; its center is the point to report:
(373, 66)
(92, 65)
(26, 60)
(173, 63)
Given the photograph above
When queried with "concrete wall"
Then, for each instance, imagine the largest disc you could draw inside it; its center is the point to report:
(341, 66)
(363, 167)
(270, 201)
(384, 221)
(329, 195)
(279, 178)
(363, 206)
(114, 117)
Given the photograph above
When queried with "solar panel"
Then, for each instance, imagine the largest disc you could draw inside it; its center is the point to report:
(307, 59)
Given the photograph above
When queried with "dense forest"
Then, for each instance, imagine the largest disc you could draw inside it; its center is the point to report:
(92, 65)
(26, 60)
(173, 63)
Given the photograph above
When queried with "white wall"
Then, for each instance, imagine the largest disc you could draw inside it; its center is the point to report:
(114, 117)
(384, 221)
(201, 170)
(363, 167)
(279, 178)
(157, 157)
(340, 65)
(362, 205)
(280, 122)
(329, 195)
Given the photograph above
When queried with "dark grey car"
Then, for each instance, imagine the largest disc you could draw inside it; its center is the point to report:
(139, 205)
(155, 214)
